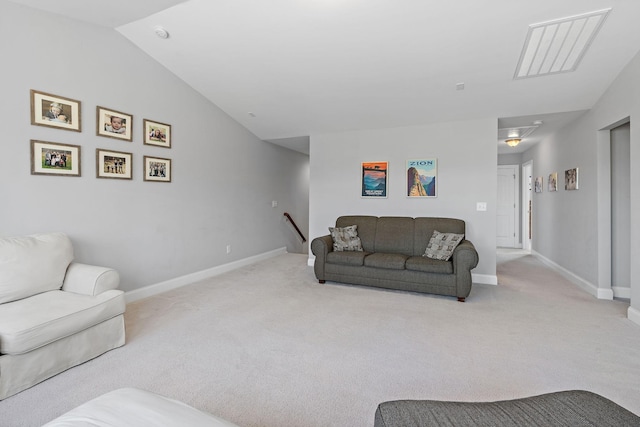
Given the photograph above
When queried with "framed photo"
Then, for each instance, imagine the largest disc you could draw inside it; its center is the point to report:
(55, 111)
(156, 133)
(114, 124)
(553, 181)
(422, 178)
(538, 185)
(50, 158)
(571, 179)
(375, 179)
(157, 169)
(113, 164)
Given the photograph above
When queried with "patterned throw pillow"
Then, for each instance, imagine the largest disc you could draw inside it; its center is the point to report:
(441, 245)
(345, 238)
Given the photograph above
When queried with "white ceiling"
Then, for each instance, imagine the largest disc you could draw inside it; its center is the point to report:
(305, 66)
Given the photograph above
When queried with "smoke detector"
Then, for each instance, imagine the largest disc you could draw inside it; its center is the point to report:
(161, 32)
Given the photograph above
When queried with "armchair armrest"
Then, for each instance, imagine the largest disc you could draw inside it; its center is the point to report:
(90, 279)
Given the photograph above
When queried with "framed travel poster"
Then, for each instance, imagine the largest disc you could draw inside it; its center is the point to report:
(375, 179)
(422, 178)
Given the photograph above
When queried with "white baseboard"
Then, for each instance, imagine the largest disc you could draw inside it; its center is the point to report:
(485, 279)
(600, 293)
(621, 292)
(188, 279)
(633, 315)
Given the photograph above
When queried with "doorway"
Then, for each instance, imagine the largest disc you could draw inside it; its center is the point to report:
(620, 211)
(507, 206)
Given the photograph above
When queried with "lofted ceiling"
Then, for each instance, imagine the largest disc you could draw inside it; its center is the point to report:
(286, 69)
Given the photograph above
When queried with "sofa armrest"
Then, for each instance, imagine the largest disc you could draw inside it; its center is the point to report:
(321, 246)
(89, 279)
(465, 258)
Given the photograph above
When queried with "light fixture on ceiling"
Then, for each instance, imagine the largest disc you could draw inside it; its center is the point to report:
(558, 46)
(513, 142)
(161, 32)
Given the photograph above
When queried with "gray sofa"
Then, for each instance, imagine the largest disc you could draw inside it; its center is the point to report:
(392, 256)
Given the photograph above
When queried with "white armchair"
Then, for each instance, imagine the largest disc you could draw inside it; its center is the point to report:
(54, 313)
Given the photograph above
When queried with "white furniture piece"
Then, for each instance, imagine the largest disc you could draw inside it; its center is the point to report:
(54, 313)
(131, 407)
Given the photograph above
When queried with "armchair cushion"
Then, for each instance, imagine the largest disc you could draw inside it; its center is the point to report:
(33, 264)
(33, 322)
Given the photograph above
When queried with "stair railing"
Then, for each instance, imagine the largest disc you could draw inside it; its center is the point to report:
(295, 226)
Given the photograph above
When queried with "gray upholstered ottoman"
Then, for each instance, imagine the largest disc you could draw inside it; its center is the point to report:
(565, 408)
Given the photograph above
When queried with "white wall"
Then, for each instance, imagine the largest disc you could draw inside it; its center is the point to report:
(224, 178)
(573, 227)
(466, 153)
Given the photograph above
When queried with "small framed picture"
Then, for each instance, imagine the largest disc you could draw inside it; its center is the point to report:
(55, 111)
(113, 164)
(553, 181)
(538, 184)
(50, 158)
(156, 133)
(422, 178)
(571, 179)
(114, 124)
(157, 169)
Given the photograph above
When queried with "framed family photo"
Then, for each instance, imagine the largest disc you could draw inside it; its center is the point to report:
(156, 133)
(157, 169)
(422, 178)
(55, 111)
(375, 179)
(113, 164)
(50, 158)
(114, 124)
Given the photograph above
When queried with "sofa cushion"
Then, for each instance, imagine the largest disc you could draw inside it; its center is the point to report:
(33, 322)
(383, 260)
(394, 235)
(345, 238)
(33, 264)
(429, 265)
(442, 245)
(347, 258)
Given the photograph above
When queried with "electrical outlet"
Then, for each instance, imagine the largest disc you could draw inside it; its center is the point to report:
(274, 203)
(228, 249)
(481, 206)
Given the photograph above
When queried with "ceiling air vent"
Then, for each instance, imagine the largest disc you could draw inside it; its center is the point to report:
(557, 46)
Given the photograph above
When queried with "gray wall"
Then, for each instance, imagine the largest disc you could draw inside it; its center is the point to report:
(466, 153)
(224, 178)
(573, 228)
(620, 207)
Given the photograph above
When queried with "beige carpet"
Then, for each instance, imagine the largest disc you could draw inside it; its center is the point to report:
(266, 345)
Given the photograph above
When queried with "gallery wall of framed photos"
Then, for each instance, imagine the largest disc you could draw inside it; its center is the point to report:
(62, 159)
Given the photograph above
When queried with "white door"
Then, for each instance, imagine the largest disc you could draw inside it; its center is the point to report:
(507, 206)
(527, 204)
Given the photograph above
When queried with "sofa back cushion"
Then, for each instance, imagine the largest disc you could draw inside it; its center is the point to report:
(424, 228)
(395, 235)
(33, 264)
(366, 228)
